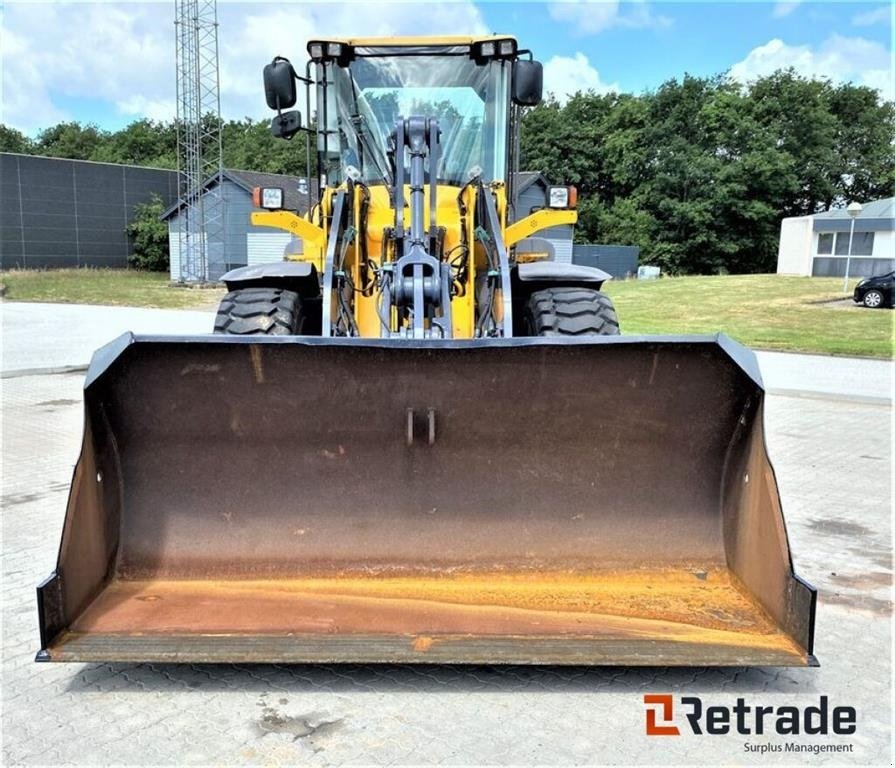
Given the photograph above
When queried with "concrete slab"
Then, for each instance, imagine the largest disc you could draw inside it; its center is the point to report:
(853, 378)
(52, 337)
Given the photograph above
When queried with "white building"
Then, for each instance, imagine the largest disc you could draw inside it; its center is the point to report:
(817, 245)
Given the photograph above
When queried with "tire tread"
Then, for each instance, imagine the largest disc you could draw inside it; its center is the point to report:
(259, 311)
(565, 311)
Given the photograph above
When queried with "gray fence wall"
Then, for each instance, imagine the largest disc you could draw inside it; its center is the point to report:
(72, 213)
(620, 261)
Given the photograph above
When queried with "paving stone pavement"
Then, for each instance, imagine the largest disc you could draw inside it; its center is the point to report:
(833, 461)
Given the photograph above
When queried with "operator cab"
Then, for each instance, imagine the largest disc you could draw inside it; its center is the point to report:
(472, 87)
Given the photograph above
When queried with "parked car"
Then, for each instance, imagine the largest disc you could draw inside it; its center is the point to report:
(876, 291)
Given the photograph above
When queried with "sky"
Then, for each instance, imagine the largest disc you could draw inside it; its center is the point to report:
(110, 63)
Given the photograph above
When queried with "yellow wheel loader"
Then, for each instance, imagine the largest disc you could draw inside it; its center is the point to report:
(421, 438)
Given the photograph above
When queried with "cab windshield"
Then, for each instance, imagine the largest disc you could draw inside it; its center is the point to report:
(364, 99)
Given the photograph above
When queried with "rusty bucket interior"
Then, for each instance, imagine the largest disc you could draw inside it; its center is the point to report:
(598, 501)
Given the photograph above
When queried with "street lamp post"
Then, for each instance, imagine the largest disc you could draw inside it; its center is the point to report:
(853, 210)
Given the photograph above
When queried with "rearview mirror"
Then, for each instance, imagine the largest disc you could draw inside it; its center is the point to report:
(528, 83)
(286, 124)
(279, 84)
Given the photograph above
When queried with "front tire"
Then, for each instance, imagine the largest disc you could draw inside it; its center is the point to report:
(873, 299)
(266, 312)
(569, 312)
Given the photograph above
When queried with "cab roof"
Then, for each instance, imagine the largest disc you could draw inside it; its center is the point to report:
(397, 42)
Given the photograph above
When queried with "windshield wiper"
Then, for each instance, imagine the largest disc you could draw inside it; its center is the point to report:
(371, 149)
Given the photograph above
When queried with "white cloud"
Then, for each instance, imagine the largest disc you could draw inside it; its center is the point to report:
(25, 101)
(115, 54)
(565, 75)
(122, 53)
(140, 106)
(881, 15)
(841, 59)
(785, 8)
(589, 17)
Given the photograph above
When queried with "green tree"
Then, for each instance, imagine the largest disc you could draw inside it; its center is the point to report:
(70, 140)
(682, 190)
(625, 148)
(865, 168)
(249, 145)
(796, 114)
(537, 138)
(700, 172)
(149, 236)
(143, 142)
(12, 140)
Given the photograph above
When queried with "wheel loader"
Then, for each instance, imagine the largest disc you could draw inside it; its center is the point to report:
(420, 437)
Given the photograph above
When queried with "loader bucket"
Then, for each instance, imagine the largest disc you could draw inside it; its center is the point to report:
(596, 501)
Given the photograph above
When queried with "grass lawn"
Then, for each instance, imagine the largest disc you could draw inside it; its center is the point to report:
(120, 287)
(760, 311)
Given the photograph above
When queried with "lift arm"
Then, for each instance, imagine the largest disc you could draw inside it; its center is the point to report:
(535, 222)
(290, 222)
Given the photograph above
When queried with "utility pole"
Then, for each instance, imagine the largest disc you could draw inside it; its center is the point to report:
(199, 149)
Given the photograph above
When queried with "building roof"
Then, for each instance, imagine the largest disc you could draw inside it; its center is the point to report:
(293, 199)
(875, 216)
(876, 209)
(524, 179)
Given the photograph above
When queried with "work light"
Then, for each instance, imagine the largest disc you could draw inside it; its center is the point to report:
(270, 198)
(494, 49)
(507, 47)
(562, 197)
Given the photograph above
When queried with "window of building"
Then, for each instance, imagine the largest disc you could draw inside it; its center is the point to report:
(841, 244)
(825, 242)
(862, 244)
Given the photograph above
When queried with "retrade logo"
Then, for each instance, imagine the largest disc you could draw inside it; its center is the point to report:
(818, 719)
(660, 706)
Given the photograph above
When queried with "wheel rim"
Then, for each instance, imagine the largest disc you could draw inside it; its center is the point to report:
(872, 299)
